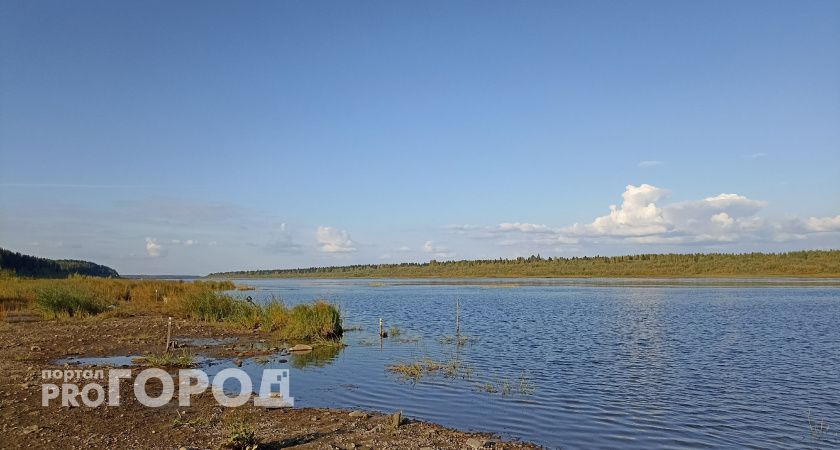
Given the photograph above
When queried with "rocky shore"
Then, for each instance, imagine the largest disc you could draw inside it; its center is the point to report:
(27, 348)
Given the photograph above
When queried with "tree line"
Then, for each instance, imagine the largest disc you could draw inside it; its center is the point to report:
(33, 266)
(809, 263)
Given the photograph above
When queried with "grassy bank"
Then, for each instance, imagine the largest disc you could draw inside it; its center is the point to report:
(79, 296)
(318, 320)
(811, 263)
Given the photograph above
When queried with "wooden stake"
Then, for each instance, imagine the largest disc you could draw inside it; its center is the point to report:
(457, 318)
(168, 333)
(380, 327)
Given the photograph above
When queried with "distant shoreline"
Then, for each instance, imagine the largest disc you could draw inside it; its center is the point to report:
(801, 264)
(225, 276)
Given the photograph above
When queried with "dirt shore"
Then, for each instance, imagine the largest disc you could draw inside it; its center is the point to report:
(28, 348)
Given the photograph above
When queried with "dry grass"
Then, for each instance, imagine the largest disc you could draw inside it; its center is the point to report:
(80, 293)
(416, 370)
(80, 296)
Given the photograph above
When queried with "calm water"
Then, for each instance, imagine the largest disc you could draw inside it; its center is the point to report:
(620, 364)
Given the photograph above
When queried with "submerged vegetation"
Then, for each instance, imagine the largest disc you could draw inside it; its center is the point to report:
(455, 369)
(811, 263)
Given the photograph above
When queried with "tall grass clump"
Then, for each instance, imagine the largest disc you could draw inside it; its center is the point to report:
(209, 306)
(311, 321)
(64, 301)
(305, 322)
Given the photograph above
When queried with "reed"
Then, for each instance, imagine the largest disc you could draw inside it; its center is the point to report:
(64, 301)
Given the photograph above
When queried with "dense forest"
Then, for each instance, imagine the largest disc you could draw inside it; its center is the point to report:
(33, 266)
(812, 263)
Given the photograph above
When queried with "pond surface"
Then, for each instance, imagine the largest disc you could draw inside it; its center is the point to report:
(575, 364)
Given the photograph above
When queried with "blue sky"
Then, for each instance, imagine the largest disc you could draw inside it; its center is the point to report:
(188, 137)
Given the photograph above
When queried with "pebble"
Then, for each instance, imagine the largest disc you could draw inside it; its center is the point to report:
(301, 348)
(396, 419)
(476, 443)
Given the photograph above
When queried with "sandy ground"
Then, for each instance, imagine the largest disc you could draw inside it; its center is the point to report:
(28, 348)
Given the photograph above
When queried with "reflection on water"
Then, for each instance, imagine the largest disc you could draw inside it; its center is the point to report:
(319, 356)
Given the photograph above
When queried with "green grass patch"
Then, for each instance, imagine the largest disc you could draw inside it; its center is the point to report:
(168, 359)
(305, 322)
(242, 437)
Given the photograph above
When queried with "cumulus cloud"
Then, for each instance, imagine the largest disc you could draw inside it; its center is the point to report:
(638, 215)
(722, 219)
(438, 251)
(644, 218)
(333, 240)
(641, 219)
(153, 249)
(823, 224)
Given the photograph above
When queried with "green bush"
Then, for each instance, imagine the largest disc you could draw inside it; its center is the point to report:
(60, 301)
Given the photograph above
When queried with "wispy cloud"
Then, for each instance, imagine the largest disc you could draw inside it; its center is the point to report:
(438, 251)
(757, 155)
(281, 241)
(651, 163)
(74, 185)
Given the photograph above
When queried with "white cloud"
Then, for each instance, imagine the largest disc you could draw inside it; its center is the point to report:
(524, 227)
(757, 155)
(823, 224)
(333, 240)
(642, 218)
(187, 242)
(438, 251)
(646, 164)
(722, 219)
(637, 215)
(153, 249)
